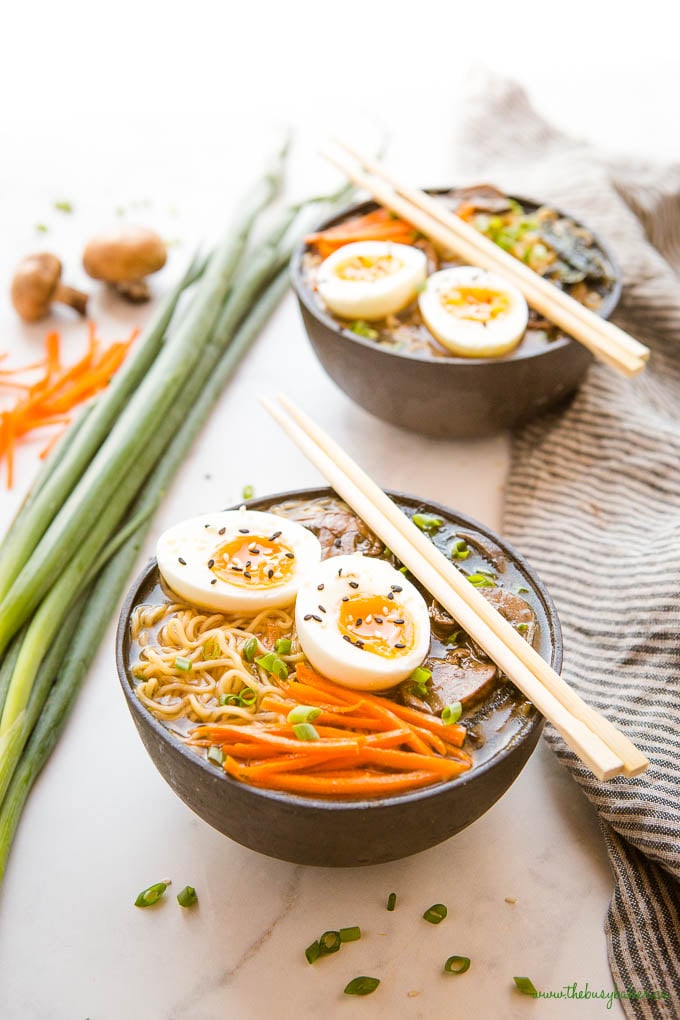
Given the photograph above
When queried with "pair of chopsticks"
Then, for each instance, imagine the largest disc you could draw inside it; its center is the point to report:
(606, 341)
(597, 742)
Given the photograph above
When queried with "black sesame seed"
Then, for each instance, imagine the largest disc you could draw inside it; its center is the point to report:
(378, 619)
(337, 543)
(319, 587)
(354, 584)
(359, 622)
(247, 574)
(270, 574)
(359, 643)
(390, 595)
(290, 556)
(242, 531)
(221, 531)
(345, 637)
(398, 622)
(211, 563)
(396, 587)
(308, 616)
(317, 618)
(345, 598)
(340, 572)
(399, 645)
(207, 525)
(183, 562)
(255, 552)
(276, 535)
(214, 580)
(239, 569)
(322, 608)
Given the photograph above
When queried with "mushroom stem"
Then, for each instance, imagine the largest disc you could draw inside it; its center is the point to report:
(70, 296)
(136, 291)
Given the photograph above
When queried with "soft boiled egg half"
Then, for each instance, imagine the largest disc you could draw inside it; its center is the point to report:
(473, 313)
(371, 279)
(237, 560)
(361, 623)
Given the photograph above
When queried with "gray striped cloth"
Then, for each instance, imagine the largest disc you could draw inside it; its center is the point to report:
(593, 500)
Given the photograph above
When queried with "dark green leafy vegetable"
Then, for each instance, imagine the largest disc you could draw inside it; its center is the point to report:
(362, 985)
(525, 985)
(187, 897)
(436, 913)
(391, 901)
(148, 897)
(457, 964)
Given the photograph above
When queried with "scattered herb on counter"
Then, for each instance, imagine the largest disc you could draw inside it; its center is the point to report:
(352, 934)
(313, 952)
(329, 942)
(63, 206)
(427, 522)
(148, 897)
(480, 580)
(187, 897)
(391, 901)
(436, 913)
(41, 228)
(525, 985)
(362, 985)
(248, 492)
(457, 964)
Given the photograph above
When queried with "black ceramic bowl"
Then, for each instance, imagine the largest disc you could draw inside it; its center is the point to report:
(449, 396)
(340, 833)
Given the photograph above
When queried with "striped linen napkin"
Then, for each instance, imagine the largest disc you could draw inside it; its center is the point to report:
(593, 499)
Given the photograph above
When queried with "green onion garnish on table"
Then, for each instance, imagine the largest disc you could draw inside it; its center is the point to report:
(362, 986)
(148, 897)
(457, 964)
(436, 913)
(313, 952)
(391, 901)
(525, 985)
(248, 492)
(329, 942)
(187, 897)
(352, 934)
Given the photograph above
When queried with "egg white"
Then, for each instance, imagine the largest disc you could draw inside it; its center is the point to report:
(371, 299)
(196, 542)
(465, 337)
(317, 616)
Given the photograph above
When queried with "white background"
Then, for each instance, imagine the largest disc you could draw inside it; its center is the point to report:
(169, 110)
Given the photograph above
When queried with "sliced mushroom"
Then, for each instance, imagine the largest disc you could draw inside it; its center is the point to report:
(37, 285)
(338, 529)
(514, 609)
(124, 258)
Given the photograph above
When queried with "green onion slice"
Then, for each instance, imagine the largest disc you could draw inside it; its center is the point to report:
(329, 942)
(391, 901)
(248, 492)
(187, 897)
(211, 649)
(481, 580)
(230, 699)
(427, 522)
(272, 664)
(452, 713)
(420, 676)
(183, 664)
(216, 755)
(436, 913)
(283, 645)
(350, 934)
(249, 649)
(248, 697)
(63, 206)
(459, 550)
(305, 731)
(362, 985)
(457, 964)
(148, 897)
(303, 714)
(525, 985)
(362, 328)
(313, 952)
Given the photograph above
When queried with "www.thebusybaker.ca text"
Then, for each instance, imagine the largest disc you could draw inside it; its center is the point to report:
(575, 991)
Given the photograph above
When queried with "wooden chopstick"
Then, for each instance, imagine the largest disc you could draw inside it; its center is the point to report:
(604, 762)
(606, 341)
(634, 761)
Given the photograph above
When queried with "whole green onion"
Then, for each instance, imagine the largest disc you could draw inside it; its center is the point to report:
(436, 913)
(457, 964)
(187, 897)
(148, 897)
(452, 713)
(362, 985)
(305, 731)
(302, 714)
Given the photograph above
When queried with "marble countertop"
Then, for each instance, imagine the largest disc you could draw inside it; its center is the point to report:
(527, 886)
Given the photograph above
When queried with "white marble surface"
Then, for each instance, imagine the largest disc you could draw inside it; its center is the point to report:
(101, 824)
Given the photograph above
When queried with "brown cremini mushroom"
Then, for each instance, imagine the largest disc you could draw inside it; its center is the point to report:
(123, 258)
(37, 285)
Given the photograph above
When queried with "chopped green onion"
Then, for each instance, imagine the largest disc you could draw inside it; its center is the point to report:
(183, 664)
(248, 492)
(480, 580)
(403, 570)
(420, 676)
(521, 590)
(305, 731)
(427, 522)
(362, 986)
(283, 645)
(187, 897)
(148, 897)
(248, 697)
(457, 964)
(313, 952)
(525, 985)
(63, 206)
(230, 699)
(459, 550)
(452, 713)
(436, 913)
(362, 328)
(303, 714)
(41, 228)
(249, 649)
(272, 664)
(391, 901)
(522, 627)
(350, 934)
(211, 649)
(216, 755)
(453, 638)
(329, 942)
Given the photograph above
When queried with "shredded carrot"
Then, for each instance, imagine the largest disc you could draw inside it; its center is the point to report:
(49, 400)
(379, 225)
(338, 784)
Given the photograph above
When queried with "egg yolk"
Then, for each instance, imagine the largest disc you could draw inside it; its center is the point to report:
(252, 561)
(368, 268)
(376, 624)
(478, 304)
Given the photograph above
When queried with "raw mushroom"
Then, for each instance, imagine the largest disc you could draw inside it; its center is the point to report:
(37, 284)
(123, 258)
